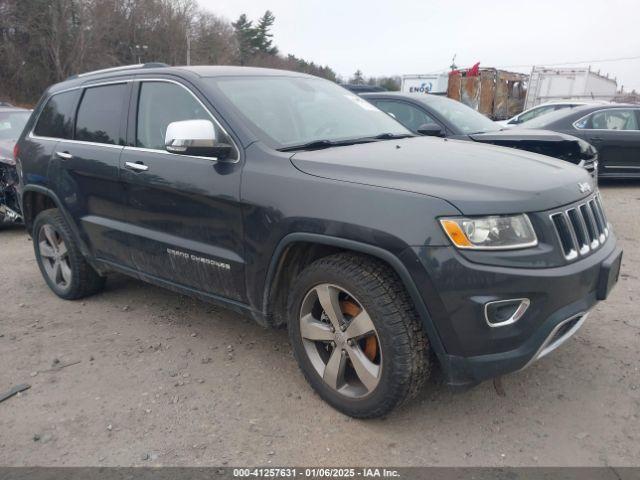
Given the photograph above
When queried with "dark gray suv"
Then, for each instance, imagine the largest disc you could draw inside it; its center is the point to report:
(289, 199)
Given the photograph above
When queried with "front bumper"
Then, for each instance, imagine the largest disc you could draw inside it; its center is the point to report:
(456, 290)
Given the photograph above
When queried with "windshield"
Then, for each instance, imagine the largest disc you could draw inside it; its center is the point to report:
(290, 111)
(12, 123)
(464, 118)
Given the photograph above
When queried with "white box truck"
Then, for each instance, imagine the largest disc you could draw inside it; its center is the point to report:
(435, 83)
(555, 84)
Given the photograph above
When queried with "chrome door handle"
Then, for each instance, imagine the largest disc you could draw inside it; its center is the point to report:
(139, 167)
(64, 155)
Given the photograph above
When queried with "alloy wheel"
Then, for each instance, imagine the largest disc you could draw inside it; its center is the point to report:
(55, 256)
(341, 341)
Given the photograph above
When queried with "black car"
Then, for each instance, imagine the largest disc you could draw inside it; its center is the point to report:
(443, 117)
(12, 122)
(287, 198)
(614, 129)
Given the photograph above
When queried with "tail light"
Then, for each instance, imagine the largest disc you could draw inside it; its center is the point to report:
(16, 152)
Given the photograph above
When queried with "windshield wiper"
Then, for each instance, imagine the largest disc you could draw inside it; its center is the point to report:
(320, 144)
(393, 136)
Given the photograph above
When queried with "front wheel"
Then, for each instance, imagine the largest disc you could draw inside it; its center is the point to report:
(356, 336)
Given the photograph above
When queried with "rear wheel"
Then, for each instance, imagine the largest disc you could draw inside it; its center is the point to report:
(61, 263)
(356, 336)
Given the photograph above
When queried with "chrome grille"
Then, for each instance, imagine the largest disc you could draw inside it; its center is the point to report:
(581, 228)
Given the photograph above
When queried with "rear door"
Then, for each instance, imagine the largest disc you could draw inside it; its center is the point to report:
(88, 180)
(54, 122)
(615, 132)
(184, 211)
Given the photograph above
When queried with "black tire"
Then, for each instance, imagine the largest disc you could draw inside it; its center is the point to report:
(403, 344)
(83, 279)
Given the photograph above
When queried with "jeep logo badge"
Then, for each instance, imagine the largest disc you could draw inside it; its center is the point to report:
(584, 187)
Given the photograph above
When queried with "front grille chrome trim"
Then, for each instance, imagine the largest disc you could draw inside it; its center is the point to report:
(581, 228)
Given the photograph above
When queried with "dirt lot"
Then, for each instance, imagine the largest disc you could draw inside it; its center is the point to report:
(166, 380)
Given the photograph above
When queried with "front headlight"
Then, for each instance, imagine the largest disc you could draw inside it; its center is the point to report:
(490, 233)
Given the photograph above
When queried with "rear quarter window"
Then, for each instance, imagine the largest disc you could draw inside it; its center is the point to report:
(56, 118)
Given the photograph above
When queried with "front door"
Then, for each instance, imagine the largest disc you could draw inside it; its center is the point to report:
(184, 212)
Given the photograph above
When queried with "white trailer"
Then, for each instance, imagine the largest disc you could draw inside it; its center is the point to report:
(554, 84)
(429, 83)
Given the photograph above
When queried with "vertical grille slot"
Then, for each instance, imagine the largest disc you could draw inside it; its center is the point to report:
(596, 215)
(590, 224)
(564, 234)
(579, 229)
(598, 201)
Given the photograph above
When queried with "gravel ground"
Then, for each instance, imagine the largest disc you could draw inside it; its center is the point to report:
(166, 380)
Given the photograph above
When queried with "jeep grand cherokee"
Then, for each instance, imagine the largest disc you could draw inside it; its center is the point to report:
(287, 198)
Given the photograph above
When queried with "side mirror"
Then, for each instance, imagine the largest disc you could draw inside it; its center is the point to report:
(515, 121)
(194, 137)
(431, 130)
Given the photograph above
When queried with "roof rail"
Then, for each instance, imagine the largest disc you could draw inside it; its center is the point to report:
(121, 67)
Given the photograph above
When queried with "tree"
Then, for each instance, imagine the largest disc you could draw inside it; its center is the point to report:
(389, 83)
(246, 37)
(358, 78)
(45, 41)
(263, 35)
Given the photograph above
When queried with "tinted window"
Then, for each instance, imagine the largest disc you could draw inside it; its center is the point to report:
(464, 118)
(100, 114)
(408, 115)
(618, 119)
(161, 103)
(12, 123)
(56, 119)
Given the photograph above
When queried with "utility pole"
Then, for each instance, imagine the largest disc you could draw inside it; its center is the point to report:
(188, 46)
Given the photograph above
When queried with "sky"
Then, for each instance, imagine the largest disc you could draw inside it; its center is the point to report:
(398, 37)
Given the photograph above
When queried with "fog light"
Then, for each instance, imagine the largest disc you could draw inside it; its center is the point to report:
(505, 312)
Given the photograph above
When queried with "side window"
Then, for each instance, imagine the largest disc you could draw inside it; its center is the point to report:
(408, 115)
(161, 103)
(536, 112)
(618, 119)
(56, 119)
(99, 116)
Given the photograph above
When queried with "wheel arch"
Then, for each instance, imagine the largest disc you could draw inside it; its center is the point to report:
(35, 199)
(285, 264)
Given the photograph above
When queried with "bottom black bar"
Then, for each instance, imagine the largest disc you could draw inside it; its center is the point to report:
(426, 473)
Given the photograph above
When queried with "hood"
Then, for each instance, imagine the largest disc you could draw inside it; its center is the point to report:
(6, 151)
(545, 142)
(477, 179)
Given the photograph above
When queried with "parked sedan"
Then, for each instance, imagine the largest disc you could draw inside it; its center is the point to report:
(543, 109)
(443, 117)
(614, 129)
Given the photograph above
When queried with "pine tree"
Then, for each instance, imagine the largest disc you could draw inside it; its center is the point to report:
(263, 35)
(358, 78)
(246, 35)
